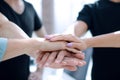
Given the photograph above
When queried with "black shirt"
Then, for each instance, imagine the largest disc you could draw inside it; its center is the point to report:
(103, 17)
(18, 68)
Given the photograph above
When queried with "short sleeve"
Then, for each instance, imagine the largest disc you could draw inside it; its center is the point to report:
(3, 46)
(38, 23)
(85, 15)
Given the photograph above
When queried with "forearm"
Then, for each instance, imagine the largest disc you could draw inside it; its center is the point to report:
(9, 29)
(17, 47)
(78, 29)
(41, 32)
(106, 40)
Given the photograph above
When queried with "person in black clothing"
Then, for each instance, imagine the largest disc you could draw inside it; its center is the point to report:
(102, 17)
(23, 14)
(14, 42)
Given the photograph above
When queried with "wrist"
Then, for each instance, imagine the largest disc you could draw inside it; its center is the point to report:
(87, 42)
(34, 44)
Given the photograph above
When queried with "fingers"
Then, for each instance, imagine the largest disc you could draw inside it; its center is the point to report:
(47, 37)
(46, 59)
(73, 61)
(64, 53)
(81, 55)
(73, 50)
(56, 57)
(43, 60)
(58, 66)
(40, 55)
(51, 58)
(74, 45)
(60, 56)
(75, 42)
(68, 37)
(70, 68)
(69, 63)
(80, 46)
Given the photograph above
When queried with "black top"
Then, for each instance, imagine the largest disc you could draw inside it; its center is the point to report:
(18, 68)
(103, 17)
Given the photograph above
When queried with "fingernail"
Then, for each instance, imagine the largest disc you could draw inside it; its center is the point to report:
(69, 45)
(84, 62)
(47, 37)
(80, 63)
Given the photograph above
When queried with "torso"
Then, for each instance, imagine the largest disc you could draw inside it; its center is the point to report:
(17, 7)
(25, 20)
(18, 68)
(106, 60)
(105, 18)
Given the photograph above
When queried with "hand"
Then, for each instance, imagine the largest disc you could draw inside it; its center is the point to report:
(41, 45)
(74, 42)
(52, 46)
(62, 37)
(46, 45)
(62, 59)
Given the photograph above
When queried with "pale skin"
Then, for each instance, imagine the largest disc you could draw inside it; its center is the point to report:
(29, 46)
(10, 34)
(105, 40)
(18, 6)
(74, 30)
(21, 38)
(78, 29)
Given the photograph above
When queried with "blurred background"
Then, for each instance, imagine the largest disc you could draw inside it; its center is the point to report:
(56, 16)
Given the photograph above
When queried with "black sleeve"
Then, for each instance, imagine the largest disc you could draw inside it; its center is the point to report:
(85, 15)
(38, 23)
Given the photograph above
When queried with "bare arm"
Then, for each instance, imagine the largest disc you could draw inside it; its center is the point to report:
(18, 47)
(106, 40)
(9, 29)
(78, 29)
(41, 32)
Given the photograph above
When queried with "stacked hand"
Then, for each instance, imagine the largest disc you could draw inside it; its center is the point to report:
(61, 51)
(74, 42)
